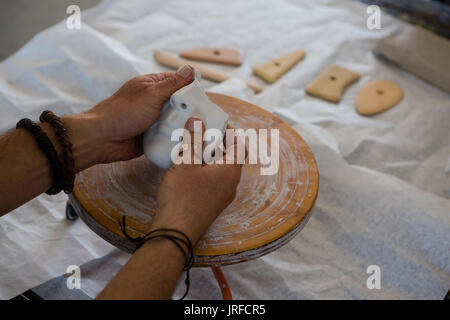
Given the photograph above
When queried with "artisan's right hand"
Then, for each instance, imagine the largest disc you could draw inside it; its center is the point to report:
(191, 196)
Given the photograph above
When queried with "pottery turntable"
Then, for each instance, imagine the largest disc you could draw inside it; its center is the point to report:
(267, 212)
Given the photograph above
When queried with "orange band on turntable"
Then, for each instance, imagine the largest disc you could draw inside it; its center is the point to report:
(266, 213)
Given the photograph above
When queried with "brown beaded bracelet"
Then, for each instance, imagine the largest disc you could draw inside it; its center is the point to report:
(63, 139)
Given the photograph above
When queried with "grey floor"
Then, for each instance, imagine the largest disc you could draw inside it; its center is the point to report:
(20, 20)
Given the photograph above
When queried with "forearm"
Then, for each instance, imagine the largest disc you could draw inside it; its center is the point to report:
(24, 169)
(151, 273)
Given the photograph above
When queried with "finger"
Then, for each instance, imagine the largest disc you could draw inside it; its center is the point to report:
(229, 170)
(191, 127)
(236, 153)
(156, 77)
(171, 82)
(195, 140)
(225, 135)
(231, 138)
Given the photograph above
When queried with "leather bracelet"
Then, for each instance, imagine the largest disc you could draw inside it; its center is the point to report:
(63, 139)
(47, 147)
(166, 234)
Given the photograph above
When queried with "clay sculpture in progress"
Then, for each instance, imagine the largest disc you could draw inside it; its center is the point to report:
(331, 83)
(378, 96)
(189, 101)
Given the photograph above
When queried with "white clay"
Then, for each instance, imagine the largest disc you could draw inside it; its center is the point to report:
(189, 101)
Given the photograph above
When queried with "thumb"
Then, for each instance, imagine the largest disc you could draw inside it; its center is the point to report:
(174, 81)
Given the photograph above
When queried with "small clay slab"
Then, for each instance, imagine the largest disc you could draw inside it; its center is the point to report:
(272, 70)
(207, 73)
(228, 56)
(378, 96)
(331, 83)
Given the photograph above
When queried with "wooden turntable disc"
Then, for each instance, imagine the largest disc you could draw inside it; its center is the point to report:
(267, 212)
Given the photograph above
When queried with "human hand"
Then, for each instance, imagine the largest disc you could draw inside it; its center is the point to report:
(191, 196)
(115, 125)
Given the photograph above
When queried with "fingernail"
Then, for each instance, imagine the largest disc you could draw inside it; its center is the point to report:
(185, 71)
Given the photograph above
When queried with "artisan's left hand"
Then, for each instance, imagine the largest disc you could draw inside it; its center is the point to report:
(111, 131)
(117, 123)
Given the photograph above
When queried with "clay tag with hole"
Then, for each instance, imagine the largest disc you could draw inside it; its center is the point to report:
(228, 56)
(378, 96)
(331, 83)
(272, 70)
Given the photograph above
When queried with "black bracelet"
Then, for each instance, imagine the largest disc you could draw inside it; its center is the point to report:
(154, 234)
(47, 147)
(68, 162)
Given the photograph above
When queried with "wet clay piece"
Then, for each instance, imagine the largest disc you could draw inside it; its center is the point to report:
(228, 56)
(266, 213)
(378, 96)
(331, 83)
(189, 101)
(272, 70)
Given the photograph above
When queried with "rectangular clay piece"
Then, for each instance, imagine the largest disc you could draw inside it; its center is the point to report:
(228, 56)
(208, 73)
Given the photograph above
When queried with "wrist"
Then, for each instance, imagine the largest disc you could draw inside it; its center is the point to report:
(87, 145)
(162, 245)
(172, 220)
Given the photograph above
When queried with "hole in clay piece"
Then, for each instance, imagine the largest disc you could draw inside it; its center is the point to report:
(183, 106)
(380, 92)
(213, 153)
(332, 78)
(277, 64)
(216, 52)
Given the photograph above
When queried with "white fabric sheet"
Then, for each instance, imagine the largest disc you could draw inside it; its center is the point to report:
(384, 195)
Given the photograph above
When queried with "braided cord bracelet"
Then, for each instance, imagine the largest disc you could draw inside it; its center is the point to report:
(47, 147)
(154, 234)
(63, 139)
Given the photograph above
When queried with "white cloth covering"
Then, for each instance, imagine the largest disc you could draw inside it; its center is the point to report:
(384, 195)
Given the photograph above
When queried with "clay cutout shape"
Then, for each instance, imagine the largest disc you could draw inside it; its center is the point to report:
(207, 73)
(228, 56)
(331, 83)
(378, 96)
(272, 70)
(189, 101)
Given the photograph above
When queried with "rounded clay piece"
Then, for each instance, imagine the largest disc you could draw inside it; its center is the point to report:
(378, 96)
